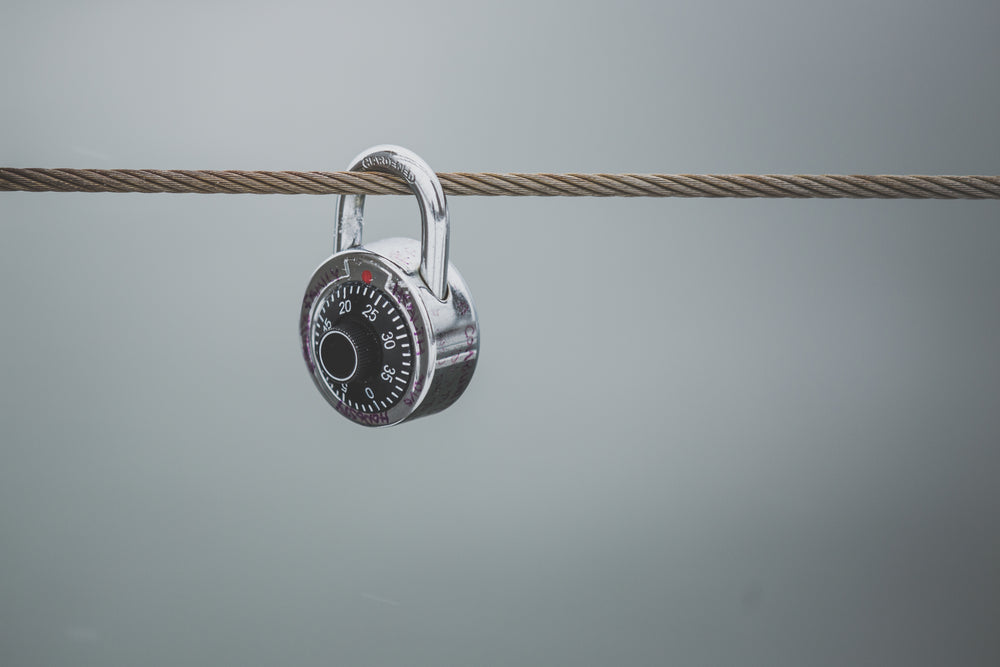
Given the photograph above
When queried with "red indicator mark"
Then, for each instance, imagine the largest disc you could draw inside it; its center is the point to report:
(366, 276)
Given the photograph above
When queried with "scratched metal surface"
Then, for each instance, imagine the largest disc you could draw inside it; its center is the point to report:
(701, 432)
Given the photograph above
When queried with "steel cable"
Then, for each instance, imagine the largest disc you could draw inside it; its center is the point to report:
(799, 186)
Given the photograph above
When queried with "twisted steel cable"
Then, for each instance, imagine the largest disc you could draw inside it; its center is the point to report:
(825, 186)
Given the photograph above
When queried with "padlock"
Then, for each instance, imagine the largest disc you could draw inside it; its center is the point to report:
(389, 331)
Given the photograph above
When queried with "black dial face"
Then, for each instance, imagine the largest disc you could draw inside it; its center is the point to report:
(362, 346)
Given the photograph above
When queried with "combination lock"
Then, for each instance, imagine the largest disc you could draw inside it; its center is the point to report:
(389, 330)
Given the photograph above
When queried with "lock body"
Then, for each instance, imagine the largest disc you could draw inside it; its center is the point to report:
(382, 342)
(379, 346)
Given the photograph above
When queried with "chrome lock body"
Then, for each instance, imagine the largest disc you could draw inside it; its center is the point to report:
(389, 331)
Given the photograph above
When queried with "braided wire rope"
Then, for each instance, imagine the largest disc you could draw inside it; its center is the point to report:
(799, 186)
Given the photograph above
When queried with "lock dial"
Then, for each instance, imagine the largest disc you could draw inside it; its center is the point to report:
(363, 346)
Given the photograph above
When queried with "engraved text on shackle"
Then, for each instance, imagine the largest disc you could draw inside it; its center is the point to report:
(388, 163)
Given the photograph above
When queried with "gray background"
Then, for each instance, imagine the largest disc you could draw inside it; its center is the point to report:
(701, 432)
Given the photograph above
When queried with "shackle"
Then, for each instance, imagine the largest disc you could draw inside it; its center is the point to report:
(433, 211)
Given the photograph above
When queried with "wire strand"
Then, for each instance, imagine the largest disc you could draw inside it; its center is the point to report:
(184, 181)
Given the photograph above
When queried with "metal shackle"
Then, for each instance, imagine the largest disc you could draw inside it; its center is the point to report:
(433, 211)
